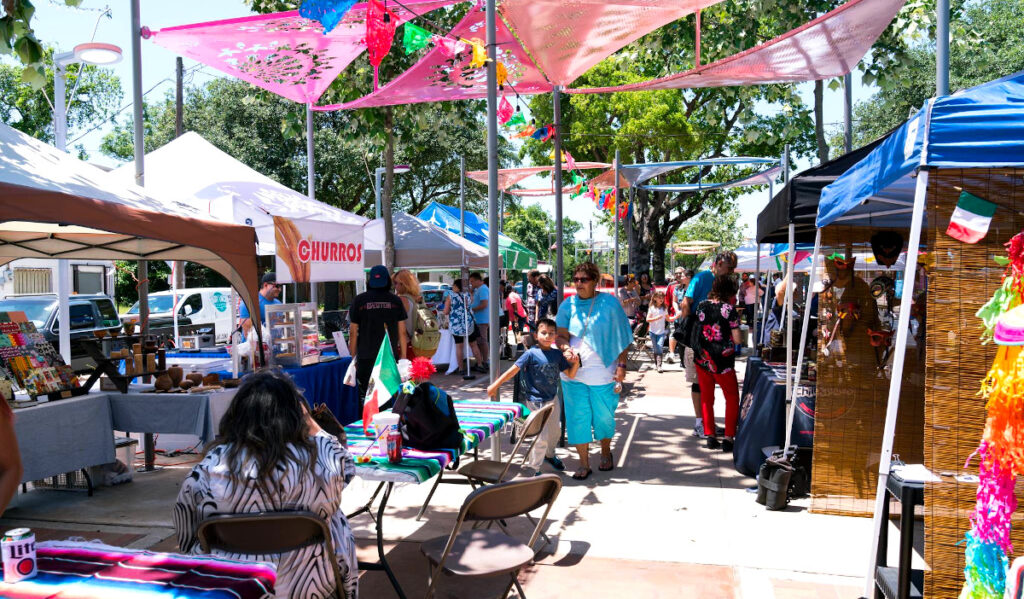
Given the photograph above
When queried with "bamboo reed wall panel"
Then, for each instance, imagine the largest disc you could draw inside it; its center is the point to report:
(964, 278)
(851, 401)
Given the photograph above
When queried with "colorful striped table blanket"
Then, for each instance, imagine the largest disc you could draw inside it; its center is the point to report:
(82, 570)
(478, 420)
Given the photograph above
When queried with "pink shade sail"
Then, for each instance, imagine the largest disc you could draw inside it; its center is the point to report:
(282, 52)
(829, 46)
(438, 76)
(507, 177)
(568, 37)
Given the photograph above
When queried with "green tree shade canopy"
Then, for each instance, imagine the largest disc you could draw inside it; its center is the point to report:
(514, 255)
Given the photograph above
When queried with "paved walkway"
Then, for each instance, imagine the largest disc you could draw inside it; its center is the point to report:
(672, 520)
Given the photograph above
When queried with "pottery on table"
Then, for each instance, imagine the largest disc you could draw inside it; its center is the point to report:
(195, 377)
(211, 379)
(100, 334)
(176, 374)
(129, 328)
(187, 384)
(163, 383)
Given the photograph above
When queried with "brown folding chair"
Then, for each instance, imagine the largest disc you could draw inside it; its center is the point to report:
(485, 552)
(264, 533)
(483, 471)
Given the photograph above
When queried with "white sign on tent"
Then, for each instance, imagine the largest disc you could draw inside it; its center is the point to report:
(311, 251)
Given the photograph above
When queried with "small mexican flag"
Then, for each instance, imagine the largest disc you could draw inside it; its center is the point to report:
(971, 218)
(385, 381)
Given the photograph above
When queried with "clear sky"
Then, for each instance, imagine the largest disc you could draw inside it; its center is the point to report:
(65, 27)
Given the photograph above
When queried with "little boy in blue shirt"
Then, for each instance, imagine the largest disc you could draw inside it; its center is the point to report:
(540, 366)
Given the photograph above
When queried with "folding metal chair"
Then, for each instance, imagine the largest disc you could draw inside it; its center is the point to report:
(484, 471)
(639, 346)
(264, 533)
(484, 552)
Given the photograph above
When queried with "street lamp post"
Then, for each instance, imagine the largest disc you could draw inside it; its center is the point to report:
(399, 168)
(95, 54)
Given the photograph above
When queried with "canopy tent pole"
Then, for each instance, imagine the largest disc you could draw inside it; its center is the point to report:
(492, 190)
(803, 336)
(788, 303)
(899, 355)
(310, 182)
(560, 256)
(942, 48)
(769, 293)
(615, 269)
(174, 303)
(757, 289)
(464, 273)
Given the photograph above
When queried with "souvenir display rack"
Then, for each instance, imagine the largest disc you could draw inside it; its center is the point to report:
(293, 334)
(31, 363)
(137, 361)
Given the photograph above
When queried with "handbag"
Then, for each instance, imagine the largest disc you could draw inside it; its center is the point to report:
(325, 419)
(427, 421)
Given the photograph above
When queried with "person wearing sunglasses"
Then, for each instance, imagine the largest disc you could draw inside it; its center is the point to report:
(592, 327)
(269, 290)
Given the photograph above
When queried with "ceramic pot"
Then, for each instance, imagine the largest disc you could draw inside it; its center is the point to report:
(129, 328)
(211, 379)
(176, 374)
(163, 383)
(195, 377)
(187, 384)
(100, 334)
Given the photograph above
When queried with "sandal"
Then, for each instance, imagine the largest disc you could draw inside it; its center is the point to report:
(607, 463)
(582, 473)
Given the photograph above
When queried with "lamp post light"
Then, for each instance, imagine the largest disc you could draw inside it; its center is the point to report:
(93, 53)
(399, 168)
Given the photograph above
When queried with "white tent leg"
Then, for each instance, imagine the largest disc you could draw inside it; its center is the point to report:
(788, 281)
(769, 293)
(757, 288)
(174, 302)
(803, 337)
(64, 308)
(896, 382)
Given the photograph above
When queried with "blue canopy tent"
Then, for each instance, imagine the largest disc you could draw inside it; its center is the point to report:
(514, 255)
(977, 128)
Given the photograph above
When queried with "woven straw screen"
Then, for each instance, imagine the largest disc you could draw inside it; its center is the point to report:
(963, 279)
(852, 395)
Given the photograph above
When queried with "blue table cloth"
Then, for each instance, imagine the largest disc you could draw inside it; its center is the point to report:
(762, 421)
(320, 383)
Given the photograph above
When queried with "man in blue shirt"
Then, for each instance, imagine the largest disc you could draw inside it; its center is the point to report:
(269, 290)
(482, 317)
(700, 286)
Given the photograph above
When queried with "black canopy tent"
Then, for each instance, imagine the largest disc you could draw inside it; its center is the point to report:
(797, 201)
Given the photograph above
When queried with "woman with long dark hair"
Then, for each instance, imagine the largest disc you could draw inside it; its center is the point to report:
(646, 291)
(270, 455)
(547, 305)
(716, 334)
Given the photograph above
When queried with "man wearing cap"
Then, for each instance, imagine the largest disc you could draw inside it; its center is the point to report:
(269, 290)
(374, 312)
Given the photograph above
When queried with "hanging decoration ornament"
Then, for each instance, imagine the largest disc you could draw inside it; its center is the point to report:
(540, 134)
(502, 75)
(380, 32)
(971, 218)
(517, 119)
(1001, 452)
(327, 12)
(449, 47)
(415, 38)
(526, 131)
(505, 111)
(479, 53)
(623, 210)
(568, 160)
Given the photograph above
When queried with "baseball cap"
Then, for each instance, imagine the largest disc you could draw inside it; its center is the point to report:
(270, 278)
(379, 277)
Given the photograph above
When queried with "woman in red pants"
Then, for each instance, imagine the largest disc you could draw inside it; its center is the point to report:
(715, 337)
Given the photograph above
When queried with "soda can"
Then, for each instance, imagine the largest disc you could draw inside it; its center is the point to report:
(394, 445)
(19, 554)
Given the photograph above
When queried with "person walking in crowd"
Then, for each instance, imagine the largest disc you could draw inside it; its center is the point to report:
(629, 298)
(717, 335)
(750, 293)
(592, 328)
(269, 290)
(460, 320)
(373, 313)
(482, 317)
(673, 298)
(540, 366)
(407, 288)
(269, 455)
(11, 469)
(515, 309)
(723, 264)
(547, 303)
(532, 291)
(646, 290)
(657, 325)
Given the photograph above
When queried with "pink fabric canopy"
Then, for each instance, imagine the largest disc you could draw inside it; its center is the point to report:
(507, 177)
(438, 77)
(568, 37)
(282, 52)
(829, 46)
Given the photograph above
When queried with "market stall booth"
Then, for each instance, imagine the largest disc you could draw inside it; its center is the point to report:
(952, 177)
(514, 255)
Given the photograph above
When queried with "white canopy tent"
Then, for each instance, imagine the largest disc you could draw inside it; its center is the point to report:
(422, 245)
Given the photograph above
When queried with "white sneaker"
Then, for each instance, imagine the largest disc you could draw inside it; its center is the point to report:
(698, 429)
(670, 359)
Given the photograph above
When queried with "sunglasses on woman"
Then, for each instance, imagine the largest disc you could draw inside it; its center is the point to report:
(581, 279)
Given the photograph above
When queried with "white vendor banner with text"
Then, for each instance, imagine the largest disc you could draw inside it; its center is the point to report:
(312, 251)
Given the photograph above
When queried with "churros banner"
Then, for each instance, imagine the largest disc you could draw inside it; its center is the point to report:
(311, 251)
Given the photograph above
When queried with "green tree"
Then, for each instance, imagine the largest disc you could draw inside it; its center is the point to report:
(720, 225)
(532, 226)
(29, 109)
(18, 38)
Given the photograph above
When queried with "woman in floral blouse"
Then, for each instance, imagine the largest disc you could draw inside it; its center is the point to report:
(716, 335)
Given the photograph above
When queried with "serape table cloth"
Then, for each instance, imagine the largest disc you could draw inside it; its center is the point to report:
(81, 570)
(478, 420)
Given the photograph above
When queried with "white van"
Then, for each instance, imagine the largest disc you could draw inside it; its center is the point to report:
(197, 308)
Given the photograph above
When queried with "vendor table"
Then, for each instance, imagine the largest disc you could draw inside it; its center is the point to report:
(320, 383)
(179, 413)
(478, 420)
(87, 570)
(762, 420)
(64, 436)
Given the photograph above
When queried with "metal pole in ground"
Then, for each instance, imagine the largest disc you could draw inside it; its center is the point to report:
(560, 256)
(310, 183)
(615, 269)
(492, 202)
(465, 271)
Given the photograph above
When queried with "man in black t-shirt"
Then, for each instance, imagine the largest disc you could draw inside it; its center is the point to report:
(372, 313)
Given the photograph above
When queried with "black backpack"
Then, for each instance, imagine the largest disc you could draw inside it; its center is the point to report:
(427, 420)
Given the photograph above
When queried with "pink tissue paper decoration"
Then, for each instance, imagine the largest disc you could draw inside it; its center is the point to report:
(449, 47)
(569, 160)
(380, 32)
(505, 110)
(996, 502)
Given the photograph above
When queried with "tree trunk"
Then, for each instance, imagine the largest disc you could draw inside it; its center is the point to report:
(819, 120)
(639, 254)
(389, 178)
(658, 256)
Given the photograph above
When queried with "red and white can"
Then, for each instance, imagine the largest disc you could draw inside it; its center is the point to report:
(19, 554)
